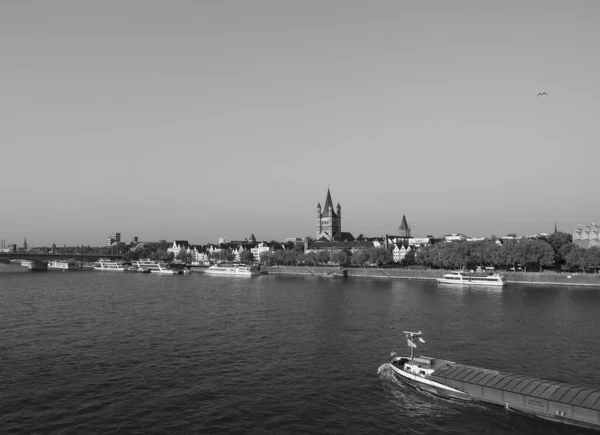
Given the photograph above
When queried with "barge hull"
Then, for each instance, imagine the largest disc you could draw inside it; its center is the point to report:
(551, 400)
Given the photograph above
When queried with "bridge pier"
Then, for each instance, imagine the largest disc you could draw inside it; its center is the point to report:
(37, 266)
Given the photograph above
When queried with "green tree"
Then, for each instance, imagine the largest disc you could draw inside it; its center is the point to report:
(360, 257)
(310, 259)
(341, 258)
(558, 241)
(182, 255)
(131, 256)
(278, 257)
(409, 258)
(575, 259)
(266, 258)
(323, 257)
(535, 252)
(222, 255)
(592, 258)
(380, 256)
(247, 257)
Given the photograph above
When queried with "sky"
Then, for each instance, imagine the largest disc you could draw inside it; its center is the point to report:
(197, 120)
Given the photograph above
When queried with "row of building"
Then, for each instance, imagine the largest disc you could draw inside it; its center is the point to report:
(330, 236)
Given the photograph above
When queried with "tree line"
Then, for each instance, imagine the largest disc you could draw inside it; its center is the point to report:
(554, 251)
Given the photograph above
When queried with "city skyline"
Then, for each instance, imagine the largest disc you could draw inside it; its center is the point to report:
(204, 120)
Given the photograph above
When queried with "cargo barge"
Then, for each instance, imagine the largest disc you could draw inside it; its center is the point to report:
(557, 401)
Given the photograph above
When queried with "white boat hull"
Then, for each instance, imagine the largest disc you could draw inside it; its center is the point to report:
(429, 385)
(63, 266)
(471, 282)
(164, 272)
(232, 272)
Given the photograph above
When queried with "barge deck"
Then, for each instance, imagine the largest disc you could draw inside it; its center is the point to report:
(552, 400)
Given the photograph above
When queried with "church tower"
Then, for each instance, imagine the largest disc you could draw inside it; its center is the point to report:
(329, 222)
(404, 229)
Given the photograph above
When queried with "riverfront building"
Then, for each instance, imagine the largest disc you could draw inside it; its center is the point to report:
(587, 236)
(113, 239)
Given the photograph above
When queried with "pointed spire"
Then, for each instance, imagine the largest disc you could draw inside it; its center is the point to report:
(319, 205)
(404, 229)
(555, 228)
(328, 201)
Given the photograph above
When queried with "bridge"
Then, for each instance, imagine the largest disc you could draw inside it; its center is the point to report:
(5, 257)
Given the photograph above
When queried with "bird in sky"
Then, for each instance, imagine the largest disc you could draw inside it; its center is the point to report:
(541, 93)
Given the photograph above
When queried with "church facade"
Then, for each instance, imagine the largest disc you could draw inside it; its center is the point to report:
(329, 222)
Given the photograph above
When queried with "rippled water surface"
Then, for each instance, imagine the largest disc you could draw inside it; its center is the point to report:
(102, 352)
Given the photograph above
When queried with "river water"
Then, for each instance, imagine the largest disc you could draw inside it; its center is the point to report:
(107, 352)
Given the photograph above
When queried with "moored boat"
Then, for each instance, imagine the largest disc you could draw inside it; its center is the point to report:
(472, 278)
(233, 269)
(109, 266)
(64, 265)
(155, 267)
(557, 401)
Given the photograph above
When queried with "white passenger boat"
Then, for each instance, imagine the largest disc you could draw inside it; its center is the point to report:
(234, 269)
(156, 267)
(110, 266)
(64, 265)
(472, 278)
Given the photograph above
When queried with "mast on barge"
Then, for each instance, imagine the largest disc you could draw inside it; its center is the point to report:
(410, 336)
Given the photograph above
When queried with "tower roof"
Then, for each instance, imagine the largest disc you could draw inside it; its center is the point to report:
(403, 225)
(328, 201)
(328, 206)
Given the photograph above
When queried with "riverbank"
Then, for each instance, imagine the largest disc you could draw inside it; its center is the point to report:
(546, 278)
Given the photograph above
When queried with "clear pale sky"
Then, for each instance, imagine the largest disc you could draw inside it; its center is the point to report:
(204, 119)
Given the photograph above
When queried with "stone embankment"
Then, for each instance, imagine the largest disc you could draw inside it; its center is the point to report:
(553, 278)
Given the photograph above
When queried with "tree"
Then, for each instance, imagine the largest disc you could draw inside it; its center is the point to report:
(409, 258)
(360, 258)
(341, 258)
(266, 258)
(247, 257)
(310, 259)
(380, 256)
(576, 258)
(592, 258)
(162, 255)
(182, 255)
(323, 257)
(558, 241)
(534, 253)
(222, 255)
(131, 256)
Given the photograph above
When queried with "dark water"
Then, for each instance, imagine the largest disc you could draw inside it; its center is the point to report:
(94, 352)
